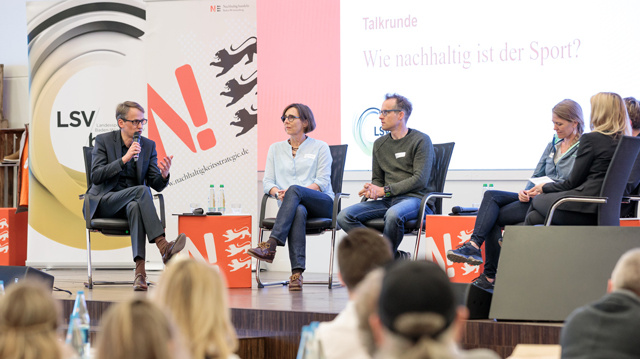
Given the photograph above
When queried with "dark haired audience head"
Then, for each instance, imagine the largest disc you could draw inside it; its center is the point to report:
(402, 103)
(633, 109)
(305, 114)
(359, 252)
(416, 300)
(417, 314)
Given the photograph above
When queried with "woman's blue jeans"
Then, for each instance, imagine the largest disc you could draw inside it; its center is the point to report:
(298, 204)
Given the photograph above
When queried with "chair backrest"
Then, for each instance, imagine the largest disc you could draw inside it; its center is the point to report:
(339, 155)
(616, 179)
(443, 152)
(86, 151)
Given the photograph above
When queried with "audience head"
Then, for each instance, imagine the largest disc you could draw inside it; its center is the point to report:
(29, 319)
(633, 109)
(416, 311)
(195, 295)
(609, 115)
(402, 103)
(360, 251)
(136, 329)
(626, 273)
(305, 114)
(571, 111)
(367, 294)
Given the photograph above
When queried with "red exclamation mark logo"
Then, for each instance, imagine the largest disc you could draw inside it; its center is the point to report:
(193, 100)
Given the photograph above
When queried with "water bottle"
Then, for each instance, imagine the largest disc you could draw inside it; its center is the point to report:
(74, 337)
(491, 187)
(485, 187)
(212, 198)
(1, 288)
(83, 324)
(221, 201)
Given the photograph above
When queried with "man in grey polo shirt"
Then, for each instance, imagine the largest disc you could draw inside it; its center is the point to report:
(402, 161)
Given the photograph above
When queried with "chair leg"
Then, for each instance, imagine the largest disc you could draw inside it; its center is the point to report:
(333, 246)
(260, 283)
(89, 283)
(415, 250)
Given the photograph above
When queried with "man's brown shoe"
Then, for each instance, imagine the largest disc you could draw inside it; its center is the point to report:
(140, 283)
(174, 247)
(295, 282)
(262, 252)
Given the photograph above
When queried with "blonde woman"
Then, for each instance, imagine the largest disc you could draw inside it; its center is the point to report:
(195, 295)
(609, 122)
(29, 319)
(137, 329)
(502, 208)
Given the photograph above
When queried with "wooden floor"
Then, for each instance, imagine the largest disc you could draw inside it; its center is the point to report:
(268, 320)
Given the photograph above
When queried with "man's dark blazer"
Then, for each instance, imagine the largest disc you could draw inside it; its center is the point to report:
(605, 329)
(106, 167)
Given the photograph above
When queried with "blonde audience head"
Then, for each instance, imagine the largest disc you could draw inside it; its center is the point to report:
(137, 329)
(29, 319)
(609, 115)
(367, 293)
(626, 273)
(195, 295)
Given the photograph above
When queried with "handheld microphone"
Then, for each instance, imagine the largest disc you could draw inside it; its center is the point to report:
(136, 138)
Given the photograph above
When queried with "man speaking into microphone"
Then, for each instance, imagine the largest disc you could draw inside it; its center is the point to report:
(124, 166)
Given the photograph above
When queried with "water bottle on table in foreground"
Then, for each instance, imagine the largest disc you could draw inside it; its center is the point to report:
(79, 323)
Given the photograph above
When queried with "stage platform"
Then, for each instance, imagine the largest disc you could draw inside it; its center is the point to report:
(268, 320)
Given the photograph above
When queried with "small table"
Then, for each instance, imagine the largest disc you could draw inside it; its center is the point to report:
(222, 241)
(448, 232)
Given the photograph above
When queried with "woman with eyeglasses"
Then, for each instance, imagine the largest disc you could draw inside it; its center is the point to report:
(500, 208)
(298, 175)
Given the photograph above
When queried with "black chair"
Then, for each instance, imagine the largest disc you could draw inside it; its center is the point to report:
(443, 152)
(613, 187)
(315, 226)
(106, 226)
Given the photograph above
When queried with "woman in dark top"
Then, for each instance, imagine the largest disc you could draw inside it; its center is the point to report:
(609, 122)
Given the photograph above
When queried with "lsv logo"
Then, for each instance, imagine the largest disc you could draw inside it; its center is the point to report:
(193, 100)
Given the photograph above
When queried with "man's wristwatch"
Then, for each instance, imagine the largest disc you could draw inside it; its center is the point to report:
(387, 191)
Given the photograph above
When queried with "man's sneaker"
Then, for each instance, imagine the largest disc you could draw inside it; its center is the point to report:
(483, 283)
(466, 253)
(403, 255)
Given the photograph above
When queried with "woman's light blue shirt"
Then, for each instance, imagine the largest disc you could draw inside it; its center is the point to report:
(312, 164)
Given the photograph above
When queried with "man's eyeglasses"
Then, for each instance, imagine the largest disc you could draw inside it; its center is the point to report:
(137, 122)
(386, 112)
(289, 118)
